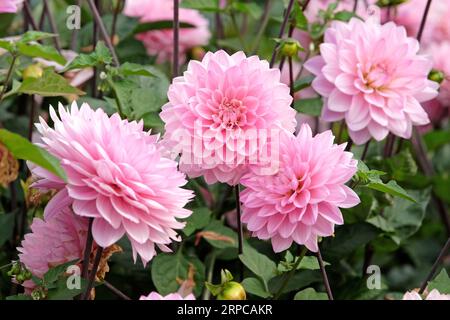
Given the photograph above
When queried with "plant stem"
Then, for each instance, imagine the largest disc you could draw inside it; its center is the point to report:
(324, 275)
(291, 80)
(424, 20)
(368, 255)
(53, 26)
(116, 291)
(103, 31)
(8, 77)
(349, 145)
(87, 250)
(176, 35)
(209, 277)
(74, 36)
(28, 13)
(291, 273)
(265, 20)
(282, 29)
(236, 28)
(436, 264)
(240, 230)
(93, 273)
(114, 21)
(366, 148)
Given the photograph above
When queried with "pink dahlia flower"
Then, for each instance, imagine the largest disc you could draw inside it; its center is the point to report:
(53, 241)
(440, 52)
(160, 42)
(171, 296)
(9, 6)
(437, 28)
(223, 113)
(371, 76)
(117, 175)
(301, 202)
(433, 295)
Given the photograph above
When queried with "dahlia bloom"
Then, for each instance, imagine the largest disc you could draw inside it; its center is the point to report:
(439, 53)
(301, 202)
(171, 296)
(160, 42)
(222, 114)
(371, 76)
(117, 175)
(9, 6)
(433, 295)
(437, 28)
(53, 241)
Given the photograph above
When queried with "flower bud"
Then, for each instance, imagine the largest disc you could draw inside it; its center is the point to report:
(32, 71)
(436, 76)
(232, 291)
(388, 3)
(290, 47)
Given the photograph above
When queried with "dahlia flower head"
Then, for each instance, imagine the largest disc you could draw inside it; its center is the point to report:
(437, 28)
(160, 42)
(171, 296)
(301, 202)
(117, 175)
(223, 114)
(372, 76)
(433, 295)
(53, 241)
(9, 6)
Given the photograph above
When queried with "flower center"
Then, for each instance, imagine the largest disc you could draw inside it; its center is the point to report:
(377, 76)
(231, 113)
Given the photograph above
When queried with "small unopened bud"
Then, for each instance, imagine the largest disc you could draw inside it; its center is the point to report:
(198, 53)
(436, 76)
(290, 47)
(38, 294)
(33, 71)
(103, 75)
(232, 291)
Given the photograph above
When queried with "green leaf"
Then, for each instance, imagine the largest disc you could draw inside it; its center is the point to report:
(303, 83)
(255, 287)
(159, 25)
(404, 218)
(259, 264)
(8, 45)
(55, 273)
(22, 149)
(30, 36)
(310, 263)
(301, 22)
(168, 269)
(60, 290)
(219, 236)
(441, 282)
(152, 120)
(6, 227)
(310, 294)
(310, 106)
(436, 139)
(50, 84)
(37, 50)
(134, 69)
(199, 219)
(100, 56)
(441, 185)
(102, 53)
(344, 15)
(391, 188)
(202, 5)
(402, 165)
(20, 296)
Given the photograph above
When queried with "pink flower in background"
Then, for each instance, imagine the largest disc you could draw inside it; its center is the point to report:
(160, 42)
(117, 175)
(313, 9)
(213, 107)
(440, 53)
(437, 28)
(301, 202)
(433, 295)
(171, 296)
(9, 6)
(53, 241)
(371, 76)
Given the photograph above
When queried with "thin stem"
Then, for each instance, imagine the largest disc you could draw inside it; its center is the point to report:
(53, 26)
(74, 36)
(282, 29)
(355, 5)
(28, 13)
(209, 276)
(87, 250)
(31, 119)
(114, 21)
(291, 79)
(6, 266)
(93, 273)
(366, 148)
(324, 275)
(368, 255)
(340, 132)
(264, 21)
(424, 20)
(239, 225)
(389, 146)
(435, 266)
(176, 35)
(236, 28)
(116, 291)
(8, 77)
(219, 26)
(103, 31)
(349, 145)
(291, 273)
